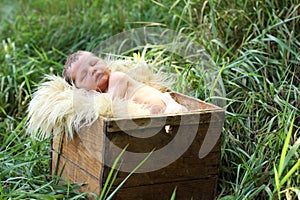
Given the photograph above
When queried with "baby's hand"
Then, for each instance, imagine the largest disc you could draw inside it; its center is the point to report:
(156, 109)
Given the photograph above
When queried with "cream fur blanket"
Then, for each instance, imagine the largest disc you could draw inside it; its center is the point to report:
(57, 107)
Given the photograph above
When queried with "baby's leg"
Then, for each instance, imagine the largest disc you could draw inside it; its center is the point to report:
(172, 107)
(175, 108)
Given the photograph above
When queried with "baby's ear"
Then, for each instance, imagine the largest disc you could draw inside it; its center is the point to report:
(69, 81)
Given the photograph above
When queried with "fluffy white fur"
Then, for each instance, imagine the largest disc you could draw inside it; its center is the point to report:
(57, 107)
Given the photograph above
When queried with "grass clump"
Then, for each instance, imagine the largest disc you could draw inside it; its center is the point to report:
(254, 43)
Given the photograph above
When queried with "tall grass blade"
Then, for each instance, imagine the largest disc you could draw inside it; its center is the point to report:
(127, 177)
(290, 173)
(277, 182)
(174, 194)
(283, 160)
(112, 181)
(110, 175)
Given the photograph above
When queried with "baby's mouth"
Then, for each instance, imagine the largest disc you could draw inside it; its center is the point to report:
(98, 76)
(101, 80)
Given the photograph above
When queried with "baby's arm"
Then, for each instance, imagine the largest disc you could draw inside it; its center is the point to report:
(118, 85)
(123, 86)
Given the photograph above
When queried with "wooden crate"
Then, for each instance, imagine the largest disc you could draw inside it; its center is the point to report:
(194, 177)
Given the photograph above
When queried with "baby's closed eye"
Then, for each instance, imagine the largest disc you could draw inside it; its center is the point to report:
(83, 75)
(93, 63)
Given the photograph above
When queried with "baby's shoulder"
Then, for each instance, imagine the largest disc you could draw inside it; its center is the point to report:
(118, 76)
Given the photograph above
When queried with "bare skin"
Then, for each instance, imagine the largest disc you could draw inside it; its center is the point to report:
(91, 72)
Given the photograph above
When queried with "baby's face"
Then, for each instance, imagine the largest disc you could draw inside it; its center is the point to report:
(90, 72)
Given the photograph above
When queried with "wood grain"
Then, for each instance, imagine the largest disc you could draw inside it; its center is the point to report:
(195, 177)
(187, 166)
(75, 174)
(201, 189)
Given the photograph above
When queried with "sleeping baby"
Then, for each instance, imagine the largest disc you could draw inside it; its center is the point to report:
(86, 70)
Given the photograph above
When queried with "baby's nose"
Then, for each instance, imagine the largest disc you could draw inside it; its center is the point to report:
(100, 69)
(93, 71)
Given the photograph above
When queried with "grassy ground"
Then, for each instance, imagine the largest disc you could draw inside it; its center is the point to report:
(255, 43)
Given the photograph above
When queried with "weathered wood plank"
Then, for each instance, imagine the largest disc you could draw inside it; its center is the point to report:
(75, 174)
(201, 189)
(85, 156)
(148, 139)
(140, 123)
(85, 150)
(187, 166)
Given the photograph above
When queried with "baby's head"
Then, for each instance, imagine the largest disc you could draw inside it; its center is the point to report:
(85, 70)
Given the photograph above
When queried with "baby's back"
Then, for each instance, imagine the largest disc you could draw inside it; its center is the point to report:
(124, 87)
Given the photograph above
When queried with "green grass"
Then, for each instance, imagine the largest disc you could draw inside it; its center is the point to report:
(255, 43)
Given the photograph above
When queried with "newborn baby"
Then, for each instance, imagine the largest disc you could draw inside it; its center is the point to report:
(85, 70)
